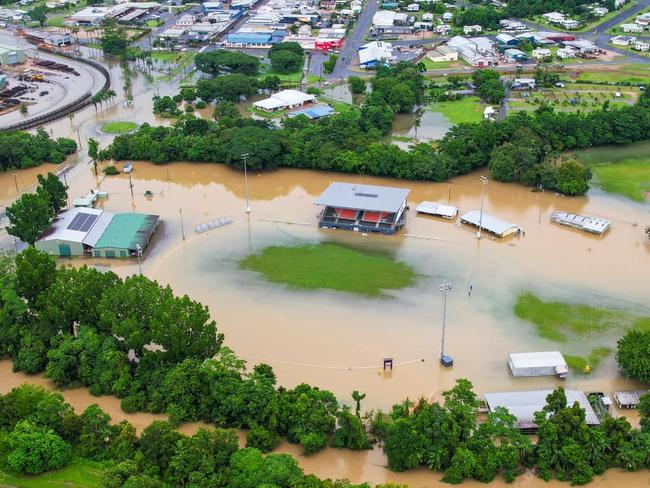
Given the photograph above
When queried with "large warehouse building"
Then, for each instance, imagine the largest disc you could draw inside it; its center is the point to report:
(11, 55)
(93, 232)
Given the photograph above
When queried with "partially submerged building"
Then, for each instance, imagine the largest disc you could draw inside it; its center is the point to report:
(363, 208)
(524, 404)
(489, 223)
(628, 399)
(92, 232)
(581, 222)
(546, 363)
(437, 209)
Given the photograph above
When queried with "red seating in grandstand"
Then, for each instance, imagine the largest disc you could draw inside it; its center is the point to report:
(347, 214)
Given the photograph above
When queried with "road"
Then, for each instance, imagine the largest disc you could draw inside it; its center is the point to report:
(355, 40)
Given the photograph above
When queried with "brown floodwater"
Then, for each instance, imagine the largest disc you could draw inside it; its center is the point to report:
(337, 341)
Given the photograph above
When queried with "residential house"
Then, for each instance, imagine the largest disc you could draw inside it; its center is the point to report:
(623, 40)
(442, 29)
(641, 46)
(376, 53)
(471, 29)
(632, 28)
(447, 17)
(565, 53)
(412, 7)
(553, 17)
(570, 23)
(541, 53)
(428, 17)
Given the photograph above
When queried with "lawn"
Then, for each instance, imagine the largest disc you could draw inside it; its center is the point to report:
(331, 267)
(578, 363)
(55, 20)
(624, 170)
(557, 320)
(285, 78)
(339, 106)
(79, 474)
(119, 127)
(268, 115)
(627, 73)
(431, 65)
(164, 56)
(466, 109)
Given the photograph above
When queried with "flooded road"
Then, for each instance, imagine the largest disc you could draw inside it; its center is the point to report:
(337, 341)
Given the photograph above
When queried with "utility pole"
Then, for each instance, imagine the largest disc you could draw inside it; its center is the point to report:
(131, 188)
(484, 182)
(79, 137)
(248, 203)
(445, 360)
(16, 183)
(180, 212)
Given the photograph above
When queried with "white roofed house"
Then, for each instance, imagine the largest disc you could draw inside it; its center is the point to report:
(623, 40)
(375, 53)
(641, 46)
(283, 100)
(541, 53)
(412, 7)
(631, 28)
(470, 29)
(566, 53)
(447, 17)
(442, 29)
(553, 17)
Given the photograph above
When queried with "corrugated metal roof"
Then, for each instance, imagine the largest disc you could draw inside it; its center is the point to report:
(524, 404)
(98, 229)
(537, 359)
(127, 230)
(488, 222)
(58, 229)
(364, 197)
(434, 208)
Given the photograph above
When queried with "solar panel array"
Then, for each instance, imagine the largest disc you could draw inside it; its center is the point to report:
(82, 222)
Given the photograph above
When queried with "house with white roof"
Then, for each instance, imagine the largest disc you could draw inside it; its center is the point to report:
(447, 17)
(541, 53)
(623, 40)
(375, 53)
(632, 28)
(283, 100)
(471, 29)
(641, 46)
(566, 53)
(553, 17)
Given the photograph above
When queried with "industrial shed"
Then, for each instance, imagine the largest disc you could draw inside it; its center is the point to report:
(545, 363)
(524, 404)
(71, 232)
(125, 234)
(11, 55)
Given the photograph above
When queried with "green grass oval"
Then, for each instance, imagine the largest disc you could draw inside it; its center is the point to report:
(331, 267)
(119, 127)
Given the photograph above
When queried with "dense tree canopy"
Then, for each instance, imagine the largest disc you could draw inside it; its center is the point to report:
(224, 61)
(633, 354)
(24, 150)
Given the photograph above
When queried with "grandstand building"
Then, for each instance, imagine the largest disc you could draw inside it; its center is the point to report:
(363, 208)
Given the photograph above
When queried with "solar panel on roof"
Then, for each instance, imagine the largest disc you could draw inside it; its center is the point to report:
(88, 223)
(77, 221)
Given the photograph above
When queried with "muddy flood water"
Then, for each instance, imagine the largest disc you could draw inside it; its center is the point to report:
(337, 341)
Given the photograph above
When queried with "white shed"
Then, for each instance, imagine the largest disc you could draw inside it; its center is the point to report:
(547, 363)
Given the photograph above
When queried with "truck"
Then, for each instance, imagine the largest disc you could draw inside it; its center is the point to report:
(546, 363)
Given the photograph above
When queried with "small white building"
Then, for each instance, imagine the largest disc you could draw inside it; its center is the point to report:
(283, 100)
(641, 46)
(570, 23)
(442, 54)
(547, 363)
(565, 53)
(412, 7)
(447, 17)
(384, 18)
(428, 17)
(553, 17)
(442, 29)
(375, 53)
(541, 53)
(471, 29)
(600, 11)
(489, 113)
(631, 28)
(623, 40)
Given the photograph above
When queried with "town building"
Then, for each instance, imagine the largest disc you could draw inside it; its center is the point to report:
(314, 112)
(475, 51)
(524, 404)
(442, 54)
(436, 209)
(489, 223)
(489, 113)
(515, 55)
(506, 40)
(11, 55)
(363, 208)
(284, 100)
(632, 28)
(94, 232)
(442, 29)
(565, 53)
(471, 29)
(641, 46)
(623, 40)
(593, 225)
(541, 53)
(376, 53)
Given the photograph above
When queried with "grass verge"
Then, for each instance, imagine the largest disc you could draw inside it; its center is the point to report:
(332, 267)
(119, 127)
(620, 170)
(78, 474)
(557, 320)
(466, 109)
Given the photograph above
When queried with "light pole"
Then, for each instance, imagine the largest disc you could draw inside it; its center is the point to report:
(248, 203)
(180, 212)
(445, 360)
(139, 251)
(484, 182)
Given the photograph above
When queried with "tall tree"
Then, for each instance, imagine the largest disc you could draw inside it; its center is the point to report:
(35, 273)
(93, 152)
(54, 190)
(29, 217)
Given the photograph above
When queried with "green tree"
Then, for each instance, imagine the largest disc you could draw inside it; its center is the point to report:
(35, 273)
(633, 354)
(54, 190)
(572, 178)
(114, 40)
(93, 152)
(96, 433)
(39, 14)
(644, 412)
(358, 398)
(263, 146)
(224, 61)
(262, 439)
(357, 85)
(158, 446)
(29, 217)
(285, 61)
(33, 450)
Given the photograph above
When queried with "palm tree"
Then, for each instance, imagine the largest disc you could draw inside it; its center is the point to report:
(93, 152)
(357, 397)
(417, 123)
